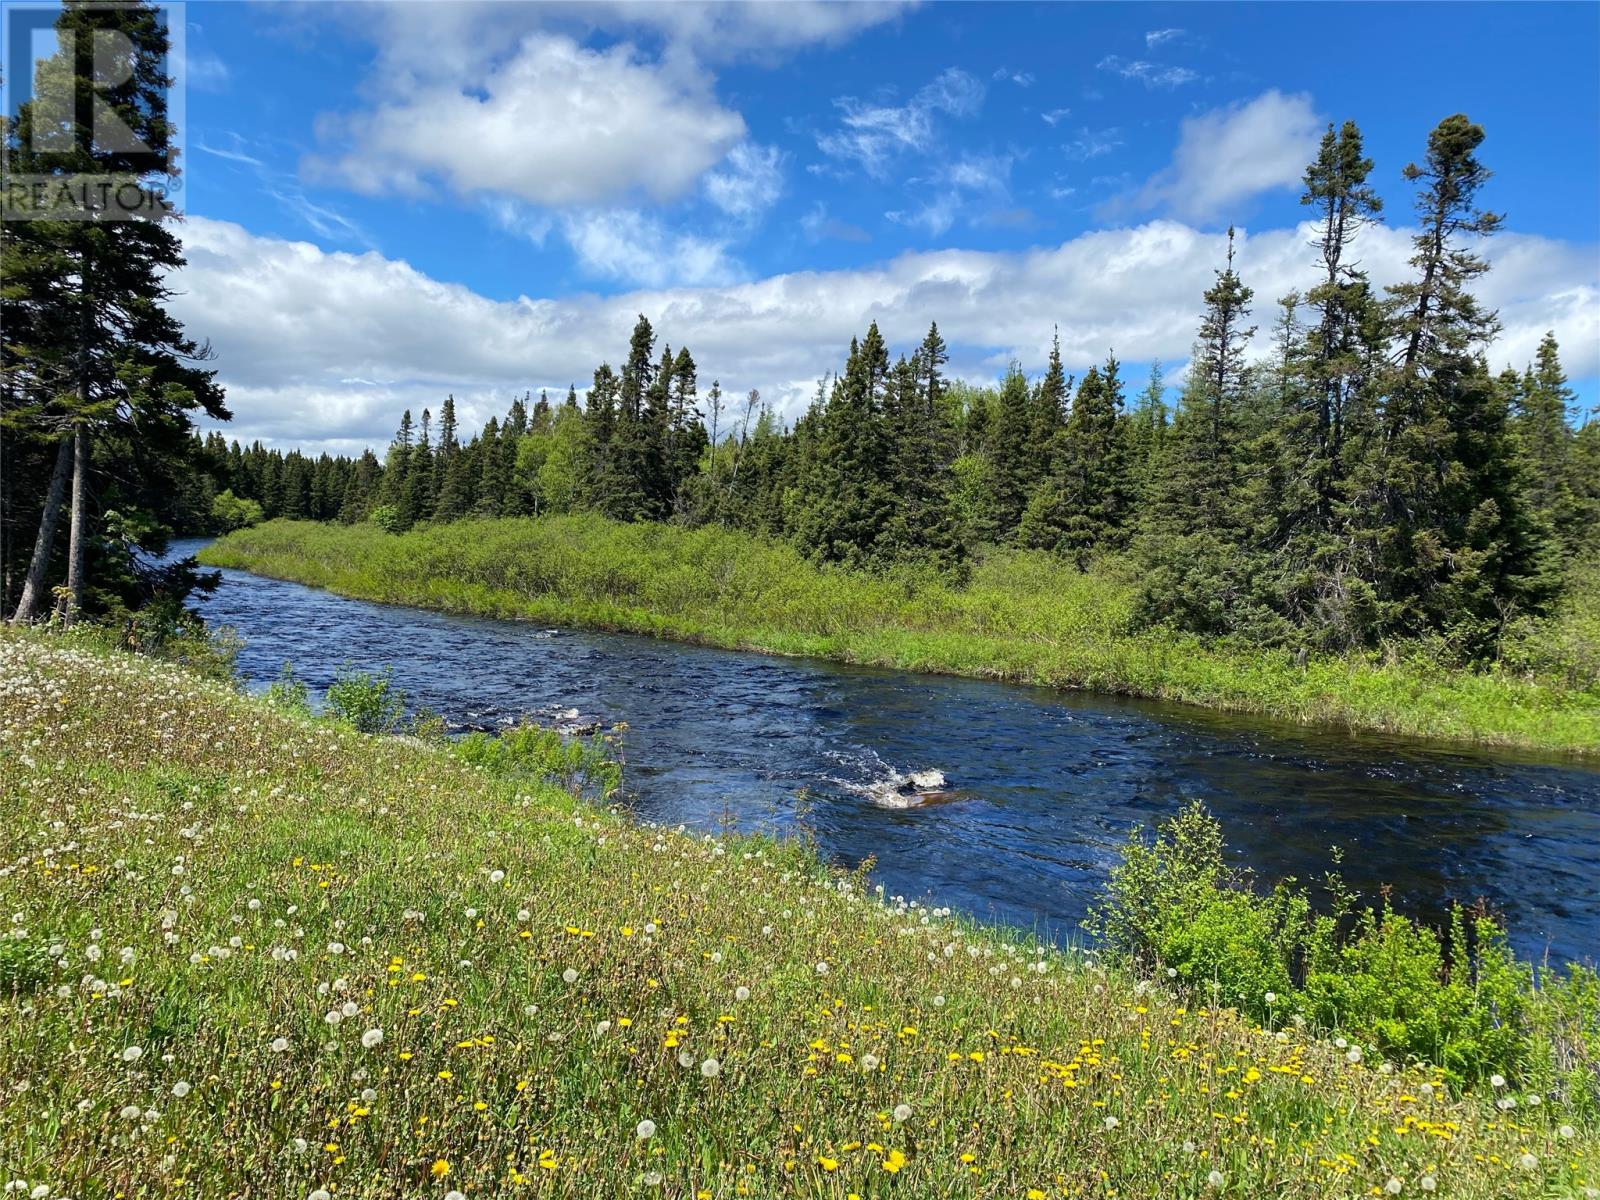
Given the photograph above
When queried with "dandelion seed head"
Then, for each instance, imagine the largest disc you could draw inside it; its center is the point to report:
(711, 1068)
(371, 1038)
(645, 1129)
(902, 1113)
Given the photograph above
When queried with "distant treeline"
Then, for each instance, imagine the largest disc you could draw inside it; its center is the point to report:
(1369, 479)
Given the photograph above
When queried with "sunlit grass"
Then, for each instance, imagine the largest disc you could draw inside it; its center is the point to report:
(1023, 616)
(249, 954)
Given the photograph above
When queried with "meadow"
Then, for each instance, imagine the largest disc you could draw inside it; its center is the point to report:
(1022, 616)
(249, 953)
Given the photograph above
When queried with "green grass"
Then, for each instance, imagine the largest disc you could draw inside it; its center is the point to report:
(1023, 616)
(189, 874)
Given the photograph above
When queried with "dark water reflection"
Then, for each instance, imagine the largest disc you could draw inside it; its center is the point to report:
(1045, 783)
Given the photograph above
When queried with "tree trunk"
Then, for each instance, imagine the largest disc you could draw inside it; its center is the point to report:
(76, 543)
(28, 608)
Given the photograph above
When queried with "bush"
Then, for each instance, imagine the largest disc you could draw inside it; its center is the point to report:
(288, 692)
(230, 512)
(590, 767)
(369, 702)
(1460, 1002)
(388, 518)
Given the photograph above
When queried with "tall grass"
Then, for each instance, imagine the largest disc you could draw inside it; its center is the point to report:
(251, 954)
(1023, 616)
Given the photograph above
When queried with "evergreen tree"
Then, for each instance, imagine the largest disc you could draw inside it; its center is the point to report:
(1435, 502)
(396, 468)
(849, 496)
(1545, 407)
(1197, 564)
(1093, 469)
(494, 475)
(924, 524)
(1013, 459)
(92, 356)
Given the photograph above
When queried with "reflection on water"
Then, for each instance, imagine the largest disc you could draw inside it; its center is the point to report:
(1041, 788)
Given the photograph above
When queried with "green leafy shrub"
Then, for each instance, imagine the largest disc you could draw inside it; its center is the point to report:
(288, 692)
(1459, 1001)
(388, 518)
(369, 702)
(24, 966)
(590, 767)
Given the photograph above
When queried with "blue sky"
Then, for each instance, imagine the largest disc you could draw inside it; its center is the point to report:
(392, 201)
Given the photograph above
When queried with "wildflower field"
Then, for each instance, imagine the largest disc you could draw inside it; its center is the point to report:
(252, 954)
(1027, 616)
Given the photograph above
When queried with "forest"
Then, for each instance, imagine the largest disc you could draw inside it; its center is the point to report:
(1341, 470)
(1368, 479)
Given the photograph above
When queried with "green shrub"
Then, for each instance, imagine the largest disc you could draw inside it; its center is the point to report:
(1459, 1001)
(388, 518)
(369, 702)
(590, 767)
(288, 692)
(24, 966)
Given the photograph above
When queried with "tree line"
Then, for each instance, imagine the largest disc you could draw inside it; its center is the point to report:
(1367, 478)
(1364, 476)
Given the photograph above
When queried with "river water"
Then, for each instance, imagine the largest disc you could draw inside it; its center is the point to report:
(1042, 785)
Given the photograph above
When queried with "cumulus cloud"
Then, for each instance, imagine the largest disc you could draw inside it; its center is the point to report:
(556, 124)
(1229, 154)
(874, 135)
(634, 248)
(323, 349)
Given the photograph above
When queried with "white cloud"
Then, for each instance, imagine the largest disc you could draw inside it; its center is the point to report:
(1022, 79)
(955, 183)
(1092, 143)
(1230, 154)
(749, 183)
(1150, 74)
(1160, 37)
(1055, 116)
(873, 135)
(556, 124)
(627, 245)
(323, 349)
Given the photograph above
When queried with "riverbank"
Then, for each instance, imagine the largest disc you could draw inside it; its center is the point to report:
(1024, 617)
(252, 949)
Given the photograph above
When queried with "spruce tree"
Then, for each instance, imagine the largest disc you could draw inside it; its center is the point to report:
(924, 525)
(1197, 562)
(1545, 409)
(849, 495)
(1435, 502)
(453, 492)
(1093, 470)
(1014, 460)
(90, 348)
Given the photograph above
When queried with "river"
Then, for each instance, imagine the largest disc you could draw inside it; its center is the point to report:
(1043, 785)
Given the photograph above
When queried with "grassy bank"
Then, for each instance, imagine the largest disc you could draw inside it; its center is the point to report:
(249, 954)
(1024, 616)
